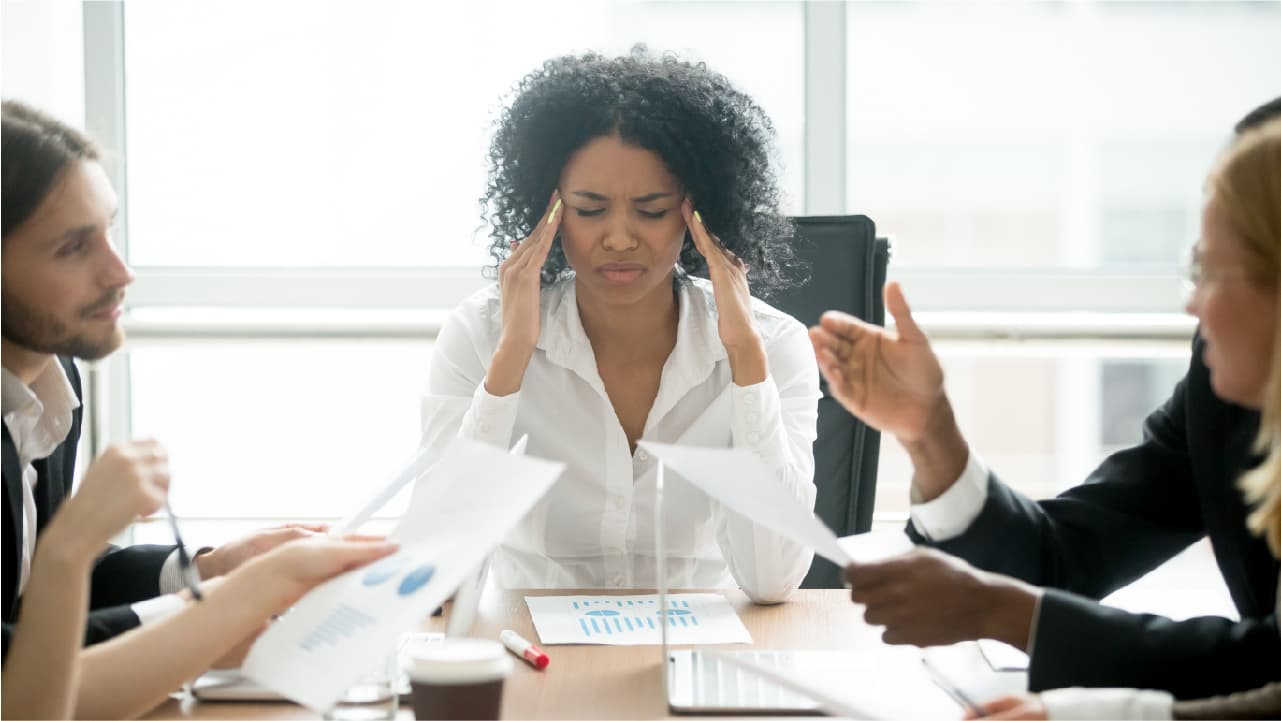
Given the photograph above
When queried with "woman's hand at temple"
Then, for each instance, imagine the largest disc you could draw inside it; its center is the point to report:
(520, 284)
(728, 274)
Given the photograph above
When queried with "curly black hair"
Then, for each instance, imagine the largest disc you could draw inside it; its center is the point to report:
(715, 140)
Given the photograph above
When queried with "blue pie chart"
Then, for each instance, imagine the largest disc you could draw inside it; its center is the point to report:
(415, 579)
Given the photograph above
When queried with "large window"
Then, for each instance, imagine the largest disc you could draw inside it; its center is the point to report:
(1047, 134)
(276, 430)
(355, 133)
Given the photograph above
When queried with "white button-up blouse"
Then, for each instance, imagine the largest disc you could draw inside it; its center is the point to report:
(595, 527)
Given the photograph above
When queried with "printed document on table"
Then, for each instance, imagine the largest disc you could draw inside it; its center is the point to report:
(693, 618)
(348, 626)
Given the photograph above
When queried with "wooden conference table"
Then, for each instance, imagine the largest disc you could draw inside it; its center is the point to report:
(601, 682)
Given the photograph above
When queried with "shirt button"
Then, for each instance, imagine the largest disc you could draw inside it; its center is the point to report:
(753, 436)
(619, 501)
(642, 456)
(483, 427)
(750, 396)
(753, 417)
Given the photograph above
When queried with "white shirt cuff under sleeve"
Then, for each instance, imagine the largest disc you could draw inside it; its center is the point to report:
(171, 575)
(1107, 703)
(490, 418)
(154, 609)
(949, 515)
(756, 421)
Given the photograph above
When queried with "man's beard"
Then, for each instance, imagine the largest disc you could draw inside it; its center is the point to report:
(43, 333)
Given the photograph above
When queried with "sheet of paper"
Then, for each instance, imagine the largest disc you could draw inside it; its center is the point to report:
(349, 625)
(875, 546)
(738, 479)
(693, 618)
(417, 466)
(1002, 656)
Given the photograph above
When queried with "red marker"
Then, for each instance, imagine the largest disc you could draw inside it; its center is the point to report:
(532, 654)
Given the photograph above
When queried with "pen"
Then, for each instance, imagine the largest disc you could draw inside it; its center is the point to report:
(188, 569)
(532, 654)
(952, 689)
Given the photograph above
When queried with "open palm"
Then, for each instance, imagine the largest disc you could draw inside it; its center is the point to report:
(891, 380)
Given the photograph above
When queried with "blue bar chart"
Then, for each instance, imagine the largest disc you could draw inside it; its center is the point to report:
(631, 620)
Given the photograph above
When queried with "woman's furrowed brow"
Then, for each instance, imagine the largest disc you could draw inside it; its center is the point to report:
(651, 197)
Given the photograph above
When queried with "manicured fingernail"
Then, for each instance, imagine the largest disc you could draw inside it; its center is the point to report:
(555, 208)
(698, 217)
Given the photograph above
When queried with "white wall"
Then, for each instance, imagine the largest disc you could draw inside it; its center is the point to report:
(42, 56)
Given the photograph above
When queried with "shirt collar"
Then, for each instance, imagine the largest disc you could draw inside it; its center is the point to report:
(38, 416)
(698, 344)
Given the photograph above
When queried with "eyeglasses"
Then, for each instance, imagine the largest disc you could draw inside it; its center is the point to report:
(188, 569)
(1197, 275)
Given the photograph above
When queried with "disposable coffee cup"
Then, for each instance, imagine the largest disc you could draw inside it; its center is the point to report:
(459, 678)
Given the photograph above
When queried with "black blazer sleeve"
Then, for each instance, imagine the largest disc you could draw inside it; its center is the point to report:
(127, 575)
(1142, 506)
(1135, 511)
(1082, 643)
(100, 625)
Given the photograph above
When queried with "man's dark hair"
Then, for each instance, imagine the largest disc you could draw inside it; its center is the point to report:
(35, 150)
(1259, 116)
(714, 139)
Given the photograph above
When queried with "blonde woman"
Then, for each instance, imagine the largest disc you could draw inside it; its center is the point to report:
(1236, 269)
(1030, 572)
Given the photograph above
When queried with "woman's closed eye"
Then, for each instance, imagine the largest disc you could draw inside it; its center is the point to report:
(647, 214)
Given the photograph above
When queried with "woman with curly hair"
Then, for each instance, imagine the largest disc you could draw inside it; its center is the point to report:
(614, 184)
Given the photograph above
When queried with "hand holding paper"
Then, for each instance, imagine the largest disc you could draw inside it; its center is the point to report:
(470, 498)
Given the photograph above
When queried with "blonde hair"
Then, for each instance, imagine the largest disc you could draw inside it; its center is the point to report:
(1246, 182)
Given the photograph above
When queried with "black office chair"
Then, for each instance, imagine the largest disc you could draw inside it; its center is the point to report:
(847, 273)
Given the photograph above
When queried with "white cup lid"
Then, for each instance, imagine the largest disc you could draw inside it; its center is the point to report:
(457, 660)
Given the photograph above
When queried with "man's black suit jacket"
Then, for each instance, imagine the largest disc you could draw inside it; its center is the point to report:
(120, 577)
(1142, 506)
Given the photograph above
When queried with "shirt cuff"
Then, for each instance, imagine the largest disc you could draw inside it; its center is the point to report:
(952, 513)
(756, 421)
(490, 418)
(154, 609)
(171, 575)
(1107, 703)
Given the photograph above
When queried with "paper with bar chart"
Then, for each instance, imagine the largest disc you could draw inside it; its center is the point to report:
(692, 618)
(348, 625)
